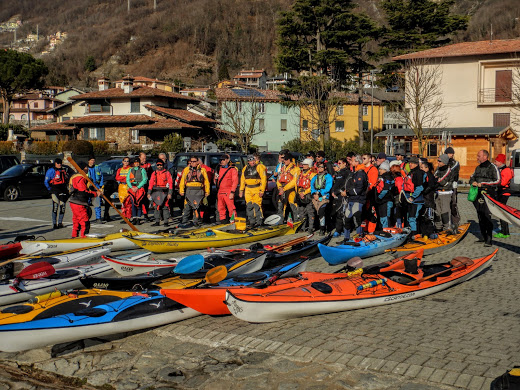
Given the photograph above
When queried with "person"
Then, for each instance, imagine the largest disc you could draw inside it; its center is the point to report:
(384, 194)
(321, 184)
(94, 174)
(286, 184)
(252, 187)
(444, 177)
(370, 212)
(413, 187)
(487, 178)
(455, 169)
(356, 191)
(144, 164)
(167, 164)
(311, 155)
(122, 189)
(226, 181)
(381, 158)
(427, 214)
(320, 158)
(350, 156)
(339, 201)
(399, 209)
(399, 156)
(503, 191)
(79, 201)
(303, 198)
(259, 162)
(56, 179)
(136, 180)
(194, 186)
(160, 191)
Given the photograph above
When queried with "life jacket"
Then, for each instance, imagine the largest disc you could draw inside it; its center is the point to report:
(380, 185)
(251, 172)
(285, 175)
(60, 177)
(136, 176)
(194, 175)
(76, 196)
(304, 181)
(408, 185)
(124, 172)
(161, 178)
(399, 180)
(320, 182)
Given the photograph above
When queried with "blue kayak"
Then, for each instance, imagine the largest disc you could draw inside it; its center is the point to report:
(342, 253)
(140, 311)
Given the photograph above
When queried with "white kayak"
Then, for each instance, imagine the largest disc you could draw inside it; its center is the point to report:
(63, 279)
(82, 257)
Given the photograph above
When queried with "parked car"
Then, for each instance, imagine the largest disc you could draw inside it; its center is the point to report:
(24, 181)
(7, 162)
(109, 169)
(270, 159)
(514, 164)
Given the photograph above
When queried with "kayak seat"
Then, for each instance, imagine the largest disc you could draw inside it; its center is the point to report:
(18, 309)
(50, 260)
(433, 269)
(300, 245)
(252, 277)
(63, 274)
(397, 277)
(91, 312)
(256, 246)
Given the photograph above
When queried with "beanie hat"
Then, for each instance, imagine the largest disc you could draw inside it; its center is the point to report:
(385, 166)
(381, 156)
(444, 159)
(501, 158)
(449, 150)
(308, 162)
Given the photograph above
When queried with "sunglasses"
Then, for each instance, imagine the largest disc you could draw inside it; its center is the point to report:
(193, 161)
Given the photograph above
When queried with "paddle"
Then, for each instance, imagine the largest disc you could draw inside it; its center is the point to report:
(82, 173)
(20, 257)
(456, 263)
(189, 264)
(290, 270)
(216, 274)
(296, 241)
(38, 270)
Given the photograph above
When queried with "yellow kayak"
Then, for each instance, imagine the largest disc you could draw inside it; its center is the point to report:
(116, 241)
(431, 246)
(211, 238)
(56, 303)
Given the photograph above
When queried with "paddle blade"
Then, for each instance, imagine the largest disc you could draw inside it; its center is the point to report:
(272, 220)
(190, 264)
(216, 274)
(355, 262)
(38, 270)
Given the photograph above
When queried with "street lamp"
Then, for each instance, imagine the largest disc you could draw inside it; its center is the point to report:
(372, 71)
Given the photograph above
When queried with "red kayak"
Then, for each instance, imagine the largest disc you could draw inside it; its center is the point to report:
(10, 250)
(503, 211)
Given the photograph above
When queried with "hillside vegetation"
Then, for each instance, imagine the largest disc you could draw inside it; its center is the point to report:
(192, 41)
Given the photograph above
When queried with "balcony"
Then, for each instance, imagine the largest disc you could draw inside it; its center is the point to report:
(498, 97)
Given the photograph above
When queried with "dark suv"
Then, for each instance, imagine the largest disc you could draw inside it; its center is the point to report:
(7, 162)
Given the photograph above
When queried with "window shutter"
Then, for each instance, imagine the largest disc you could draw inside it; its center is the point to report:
(501, 120)
(101, 134)
(85, 133)
(503, 85)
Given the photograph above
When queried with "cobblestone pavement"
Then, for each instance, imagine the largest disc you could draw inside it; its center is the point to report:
(462, 337)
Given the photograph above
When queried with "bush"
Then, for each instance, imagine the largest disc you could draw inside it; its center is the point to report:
(172, 143)
(43, 147)
(224, 144)
(79, 147)
(6, 147)
(101, 148)
(334, 149)
(18, 129)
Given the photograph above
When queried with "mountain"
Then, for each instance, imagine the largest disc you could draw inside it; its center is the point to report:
(189, 41)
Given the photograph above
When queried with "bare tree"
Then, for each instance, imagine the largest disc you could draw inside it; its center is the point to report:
(241, 116)
(423, 101)
(515, 111)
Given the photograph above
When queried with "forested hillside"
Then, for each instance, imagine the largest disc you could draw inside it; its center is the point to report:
(192, 41)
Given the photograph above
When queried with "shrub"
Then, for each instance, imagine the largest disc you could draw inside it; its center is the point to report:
(100, 147)
(6, 147)
(334, 149)
(43, 147)
(18, 129)
(79, 147)
(224, 144)
(172, 143)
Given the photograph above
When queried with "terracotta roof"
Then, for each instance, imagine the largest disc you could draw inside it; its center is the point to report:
(504, 46)
(36, 96)
(259, 95)
(141, 78)
(164, 124)
(52, 126)
(195, 89)
(128, 119)
(138, 91)
(247, 76)
(455, 131)
(180, 114)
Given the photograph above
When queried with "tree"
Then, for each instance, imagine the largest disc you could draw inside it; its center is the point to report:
(173, 142)
(325, 37)
(19, 72)
(423, 102)
(241, 117)
(90, 64)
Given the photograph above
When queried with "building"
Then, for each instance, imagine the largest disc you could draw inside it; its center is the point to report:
(195, 92)
(343, 118)
(140, 81)
(479, 89)
(275, 123)
(252, 78)
(33, 109)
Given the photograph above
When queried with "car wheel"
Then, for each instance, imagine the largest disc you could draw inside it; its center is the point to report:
(11, 193)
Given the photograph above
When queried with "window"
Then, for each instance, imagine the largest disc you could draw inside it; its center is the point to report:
(339, 110)
(365, 110)
(283, 125)
(340, 126)
(35, 105)
(239, 106)
(501, 120)
(432, 149)
(261, 125)
(95, 133)
(305, 125)
(24, 117)
(261, 107)
(135, 136)
(135, 105)
(65, 118)
(283, 109)
(503, 85)
(99, 106)
(365, 126)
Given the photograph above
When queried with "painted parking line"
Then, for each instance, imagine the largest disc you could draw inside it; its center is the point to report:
(22, 219)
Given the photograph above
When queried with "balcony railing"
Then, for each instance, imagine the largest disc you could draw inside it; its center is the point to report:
(492, 95)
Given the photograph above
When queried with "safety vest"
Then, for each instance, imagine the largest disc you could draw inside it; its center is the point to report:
(285, 175)
(124, 171)
(320, 182)
(161, 179)
(251, 172)
(194, 175)
(304, 181)
(380, 185)
(59, 177)
(408, 185)
(136, 176)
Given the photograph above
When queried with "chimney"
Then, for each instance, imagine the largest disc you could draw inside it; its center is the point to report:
(103, 84)
(10, 134)
(128, 84)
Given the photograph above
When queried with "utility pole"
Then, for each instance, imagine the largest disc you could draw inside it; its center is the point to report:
(37, 32)
(372, 113)
(128, 6)
(154, 5)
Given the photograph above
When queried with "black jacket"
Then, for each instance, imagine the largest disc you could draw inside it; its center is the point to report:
(356, 187)
(340, 180)
(488, 175)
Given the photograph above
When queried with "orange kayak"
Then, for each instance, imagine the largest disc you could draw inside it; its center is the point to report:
(318, 293)
(210, 300)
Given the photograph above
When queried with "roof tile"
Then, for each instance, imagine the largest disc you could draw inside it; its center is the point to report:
(180, 114)
(138, 91)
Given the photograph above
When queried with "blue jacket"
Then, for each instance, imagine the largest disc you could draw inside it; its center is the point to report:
(325, 191)
(49, 175)
(96, 176)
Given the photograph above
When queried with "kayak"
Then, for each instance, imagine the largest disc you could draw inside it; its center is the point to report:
(63, 279)
(318, 293)
(58, 302)
(10, 250)
(431, 246)
(503, 211)
(210, 237)
(370, 245)
(136, 312)
(164, 276)
(117, 241)
(210, 299)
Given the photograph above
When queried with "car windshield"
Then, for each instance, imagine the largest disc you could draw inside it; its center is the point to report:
(14, 170)
(181, 162)
(269, 160)
(110, 167)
